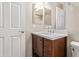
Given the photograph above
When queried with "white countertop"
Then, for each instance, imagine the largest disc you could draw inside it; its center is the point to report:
(51, 36)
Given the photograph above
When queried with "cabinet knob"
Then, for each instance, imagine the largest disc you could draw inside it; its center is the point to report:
(40, 40)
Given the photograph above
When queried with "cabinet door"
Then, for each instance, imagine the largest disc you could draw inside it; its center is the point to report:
(47, 52)
(59, 47)
(47, 48)
(40, 46)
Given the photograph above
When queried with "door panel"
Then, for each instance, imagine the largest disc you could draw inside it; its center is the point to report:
(16, 27)
(1, 46)
(1, 16)
(15, 15)
(15, 45)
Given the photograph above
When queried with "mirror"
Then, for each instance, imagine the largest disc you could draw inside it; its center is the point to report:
(37, 13)
(60, 16)
(50, 13)
(47, 16)
(41, 15)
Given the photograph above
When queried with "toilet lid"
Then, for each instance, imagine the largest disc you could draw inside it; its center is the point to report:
(75, 43)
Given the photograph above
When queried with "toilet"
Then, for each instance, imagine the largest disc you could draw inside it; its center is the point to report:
(74, 48)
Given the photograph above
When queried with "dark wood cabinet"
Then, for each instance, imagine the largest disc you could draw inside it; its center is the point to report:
(43, 47)
(60, 48)
(47, 48)
(40, 46)
(34, 45)
(37, 46)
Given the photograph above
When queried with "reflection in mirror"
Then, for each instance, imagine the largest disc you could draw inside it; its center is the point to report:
(60, 16)
(49, 14)
(38, 13)
(41, 14)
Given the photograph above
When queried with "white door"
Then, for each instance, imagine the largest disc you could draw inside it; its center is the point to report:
(11, 30)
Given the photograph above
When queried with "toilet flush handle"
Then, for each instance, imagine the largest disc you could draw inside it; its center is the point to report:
(73, 49)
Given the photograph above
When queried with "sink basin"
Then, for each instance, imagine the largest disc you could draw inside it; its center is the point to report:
(46, 32)
(50, 35)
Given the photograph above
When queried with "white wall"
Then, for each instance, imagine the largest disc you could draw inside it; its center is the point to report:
(72, 24)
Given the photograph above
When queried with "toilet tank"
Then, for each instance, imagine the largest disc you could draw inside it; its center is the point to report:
(75, 48)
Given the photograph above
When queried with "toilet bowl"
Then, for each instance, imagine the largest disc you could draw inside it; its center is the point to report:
(74, 48)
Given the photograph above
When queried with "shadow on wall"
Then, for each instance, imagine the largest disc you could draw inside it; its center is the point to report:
(69, 39)
(28, 45)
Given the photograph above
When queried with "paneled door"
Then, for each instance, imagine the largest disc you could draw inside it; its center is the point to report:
(12, 42)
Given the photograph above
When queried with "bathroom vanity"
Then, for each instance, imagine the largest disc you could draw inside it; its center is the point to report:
(45, 44)
(48, 45)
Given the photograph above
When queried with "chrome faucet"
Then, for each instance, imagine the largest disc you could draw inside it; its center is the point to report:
(49, 29)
